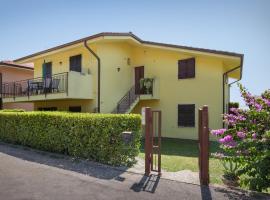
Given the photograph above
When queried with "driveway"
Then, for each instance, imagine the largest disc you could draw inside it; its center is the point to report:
(29, 174)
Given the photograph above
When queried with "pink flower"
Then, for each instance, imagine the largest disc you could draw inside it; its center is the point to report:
(228, 141)
(228, 138)
(230, 119)
(231, 144)
(254, 136)
(218, 132)
(221, 140)
(234, 110)
(241, 118)
(258, 106)
(267, 102)
(241, 134)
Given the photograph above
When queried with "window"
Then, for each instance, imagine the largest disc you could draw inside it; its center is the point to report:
(48, 109)
(186, 68)
(186, 115)
(75, 109)
(75, 63)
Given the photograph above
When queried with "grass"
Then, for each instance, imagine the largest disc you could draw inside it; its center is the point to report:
(179, 154)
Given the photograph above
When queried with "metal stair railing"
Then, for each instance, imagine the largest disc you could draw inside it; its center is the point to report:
(126, 101)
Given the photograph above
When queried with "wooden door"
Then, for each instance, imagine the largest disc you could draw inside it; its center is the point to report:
(139, 74)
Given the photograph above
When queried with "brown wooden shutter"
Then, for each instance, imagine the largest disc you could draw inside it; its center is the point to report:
(191, 68)
(181, 69)
(186, 115)
(186, 68)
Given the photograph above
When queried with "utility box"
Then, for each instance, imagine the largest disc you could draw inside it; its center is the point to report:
(127, 137)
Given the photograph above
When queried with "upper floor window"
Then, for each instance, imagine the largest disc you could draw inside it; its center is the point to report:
(186, 115)
(75, 63)
(186, 68)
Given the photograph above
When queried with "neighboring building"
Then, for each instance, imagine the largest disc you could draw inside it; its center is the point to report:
(11, 72)
(133, 74)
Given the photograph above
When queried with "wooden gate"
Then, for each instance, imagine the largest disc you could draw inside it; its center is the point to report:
(151, 120)
(203, 146)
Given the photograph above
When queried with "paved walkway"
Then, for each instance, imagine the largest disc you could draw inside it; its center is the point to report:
(29, 174)
(186, 176)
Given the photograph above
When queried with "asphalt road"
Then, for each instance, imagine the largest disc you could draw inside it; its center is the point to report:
(27, 174)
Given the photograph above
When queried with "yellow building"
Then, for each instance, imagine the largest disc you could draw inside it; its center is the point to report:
(121, 73)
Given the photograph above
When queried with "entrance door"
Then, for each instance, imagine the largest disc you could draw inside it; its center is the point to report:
(139, 74)
(47, 70)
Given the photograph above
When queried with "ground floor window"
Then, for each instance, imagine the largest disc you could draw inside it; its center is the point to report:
(186, 115)
(75, 109)
(47, 109)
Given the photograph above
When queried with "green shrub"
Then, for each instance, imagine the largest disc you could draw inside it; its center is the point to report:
(246, 142)
(92, 136)
(233, 105)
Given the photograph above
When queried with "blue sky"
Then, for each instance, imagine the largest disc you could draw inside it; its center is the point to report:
(232, 25)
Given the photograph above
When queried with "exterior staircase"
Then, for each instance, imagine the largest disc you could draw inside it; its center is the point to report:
(128, 102)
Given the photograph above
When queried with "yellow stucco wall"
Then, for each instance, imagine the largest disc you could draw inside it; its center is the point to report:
(63, 105)
(60, 64)
(204, 89)
(114, 83)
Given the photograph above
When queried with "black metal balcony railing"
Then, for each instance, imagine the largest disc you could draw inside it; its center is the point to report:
(57, 83)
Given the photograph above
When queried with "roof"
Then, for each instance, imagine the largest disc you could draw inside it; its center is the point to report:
(28, 66)
(130, 34)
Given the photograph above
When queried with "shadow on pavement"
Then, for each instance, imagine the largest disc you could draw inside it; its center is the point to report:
(146, 184)
(205, 192)
(241, 194)
(85, 167)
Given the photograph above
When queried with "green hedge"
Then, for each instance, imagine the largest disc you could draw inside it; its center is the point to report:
(93, 136)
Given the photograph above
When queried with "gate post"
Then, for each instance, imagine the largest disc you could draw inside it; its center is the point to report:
(147, 117)
(203, 146)
(1, 92)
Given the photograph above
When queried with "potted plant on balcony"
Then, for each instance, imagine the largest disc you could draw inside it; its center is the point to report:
(146, 85)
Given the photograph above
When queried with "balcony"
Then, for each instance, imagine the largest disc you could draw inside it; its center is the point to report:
(149, 88)
(67, 85)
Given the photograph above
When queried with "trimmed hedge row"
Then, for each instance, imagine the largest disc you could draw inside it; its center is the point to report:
(93, 136)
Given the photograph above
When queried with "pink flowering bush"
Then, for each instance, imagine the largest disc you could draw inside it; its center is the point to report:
(246, 141)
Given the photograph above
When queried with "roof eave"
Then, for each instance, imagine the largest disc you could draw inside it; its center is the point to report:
(104, 34)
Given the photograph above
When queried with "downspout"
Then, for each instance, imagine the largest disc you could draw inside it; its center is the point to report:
(98, 61)
(224, 77)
